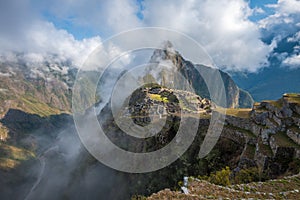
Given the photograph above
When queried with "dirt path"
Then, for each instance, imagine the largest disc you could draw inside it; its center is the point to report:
(42, 161)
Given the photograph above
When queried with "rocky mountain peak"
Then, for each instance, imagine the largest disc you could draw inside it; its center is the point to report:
(171, 70)
(165, 52)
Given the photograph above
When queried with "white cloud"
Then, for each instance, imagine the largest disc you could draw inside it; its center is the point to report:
(258, 10)
(284, 24)
(285, 19)
(222, 27)
(100, 16)
(293, 61)
(41, 41)
(295, 38)
(26, 35)
(49, 40)
(286, 7)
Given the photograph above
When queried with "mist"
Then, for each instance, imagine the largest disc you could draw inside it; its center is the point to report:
(62, 168)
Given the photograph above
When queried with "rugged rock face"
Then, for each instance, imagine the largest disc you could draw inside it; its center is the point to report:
(275, 125)
(190, 77)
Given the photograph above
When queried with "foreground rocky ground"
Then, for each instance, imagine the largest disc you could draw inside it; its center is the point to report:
(285, 188)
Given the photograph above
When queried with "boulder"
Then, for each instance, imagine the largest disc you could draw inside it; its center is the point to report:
(260, 117)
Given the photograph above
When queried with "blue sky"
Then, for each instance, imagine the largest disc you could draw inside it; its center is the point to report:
(262, 4)
(77, 31)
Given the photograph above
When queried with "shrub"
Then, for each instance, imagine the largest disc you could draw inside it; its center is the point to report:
(246, 175)
(221, 177)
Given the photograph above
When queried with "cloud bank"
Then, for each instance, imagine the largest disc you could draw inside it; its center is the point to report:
(23, 33)
(223, 27)
(284, 27)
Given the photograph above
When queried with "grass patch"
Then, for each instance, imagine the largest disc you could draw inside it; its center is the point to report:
(205, 115)
(7, 163)
(277, 104)
(292, 95)
(261, 110)
(292, 98)
(239, 112)
(236, 112)
(157, 97)
(15, 153)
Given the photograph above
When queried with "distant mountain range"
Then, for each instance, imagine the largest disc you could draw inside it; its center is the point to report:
(271, 82)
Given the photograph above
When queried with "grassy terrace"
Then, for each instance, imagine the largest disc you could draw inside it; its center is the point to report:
(236, 112)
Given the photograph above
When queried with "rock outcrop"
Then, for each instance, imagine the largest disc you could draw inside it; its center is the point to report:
(275, 125)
